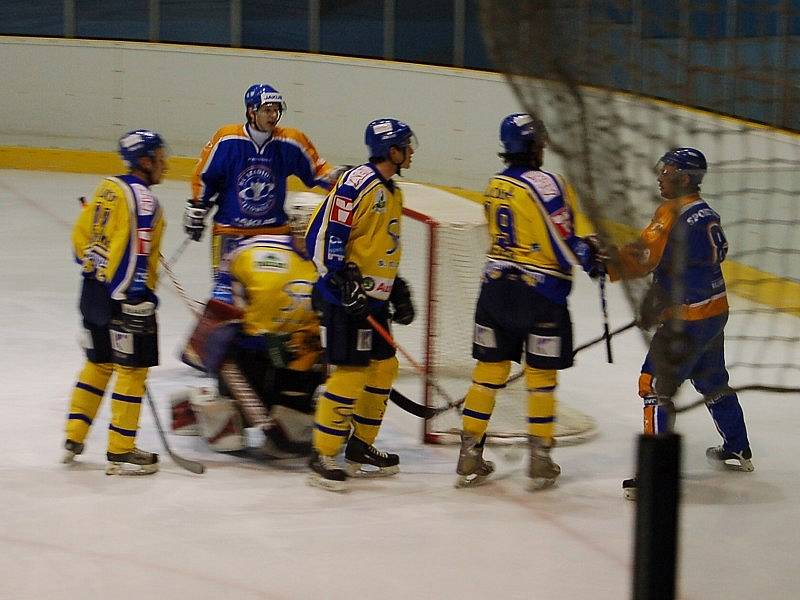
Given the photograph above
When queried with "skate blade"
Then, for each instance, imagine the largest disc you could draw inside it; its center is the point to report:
(540, 483)
(68, 458)
(329, 485)
(129, 469)
(743, 465)
(470, 481)
(359, 470)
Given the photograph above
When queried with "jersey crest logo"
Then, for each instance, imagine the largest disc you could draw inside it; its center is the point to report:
(342, 211)
(379, 205)
(257, 196)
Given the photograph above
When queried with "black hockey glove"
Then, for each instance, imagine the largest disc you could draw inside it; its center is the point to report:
(194, 219)
(138, 316)
(348, 282)
(400, 299)
(589, 253)
(654, 303)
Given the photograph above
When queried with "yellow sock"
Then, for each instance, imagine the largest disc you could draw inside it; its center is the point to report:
(126, 404)
(487, 378)
(541, 402)
(335, 408)
(86, 397)
(371, 404)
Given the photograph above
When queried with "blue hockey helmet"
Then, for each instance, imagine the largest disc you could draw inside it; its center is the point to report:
(138, 143)
(519, 131)
(262, 93)
(686, 160)
(382, 134)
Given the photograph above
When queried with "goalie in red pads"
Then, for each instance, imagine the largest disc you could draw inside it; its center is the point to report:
(264, 350)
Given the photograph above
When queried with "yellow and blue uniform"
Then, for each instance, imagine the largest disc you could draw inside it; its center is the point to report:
(358, 222)
(523, 299)
(116, 240)
(683, 247)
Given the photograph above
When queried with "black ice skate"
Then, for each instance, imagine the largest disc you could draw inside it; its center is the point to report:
(327, 474)
(472, 469)
(359, 455)
(71, 450)
(630, 488)
(135, 462)
(542, 470)
(719, 458)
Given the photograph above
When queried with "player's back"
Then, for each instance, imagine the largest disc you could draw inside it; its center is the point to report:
(277, 283)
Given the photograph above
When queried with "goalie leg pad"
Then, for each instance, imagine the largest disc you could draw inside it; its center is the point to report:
(184, 421)
(219, 421)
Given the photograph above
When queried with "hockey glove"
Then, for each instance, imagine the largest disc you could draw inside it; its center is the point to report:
(588, 252)
(348, 282)
(194, 220)
(400, 299)
(138, 316)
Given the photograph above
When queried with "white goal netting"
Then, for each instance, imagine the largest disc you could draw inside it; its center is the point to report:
(444, 247)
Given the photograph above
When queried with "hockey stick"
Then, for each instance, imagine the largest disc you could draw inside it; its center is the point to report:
(428, 412)
(418, 367)
(190, 465)
(604, 309)
(179, 251)
(192, 304)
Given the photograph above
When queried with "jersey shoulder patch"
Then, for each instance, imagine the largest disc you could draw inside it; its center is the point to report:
(359, 176)
(543, 183)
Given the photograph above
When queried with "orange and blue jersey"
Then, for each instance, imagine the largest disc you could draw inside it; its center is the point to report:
(247, 181)
(683, 246)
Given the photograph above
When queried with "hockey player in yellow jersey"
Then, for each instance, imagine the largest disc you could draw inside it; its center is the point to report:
(266, 356)
(354, 240)
(117, 240)
(522, 304)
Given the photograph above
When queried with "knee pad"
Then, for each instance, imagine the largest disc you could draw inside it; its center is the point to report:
(540, 379)
(218, 419)
(493, 373)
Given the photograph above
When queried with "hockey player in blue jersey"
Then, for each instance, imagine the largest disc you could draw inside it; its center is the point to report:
(242, 171)
(683, 247)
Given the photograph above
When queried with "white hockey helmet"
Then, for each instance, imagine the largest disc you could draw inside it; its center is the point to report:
(299, 208)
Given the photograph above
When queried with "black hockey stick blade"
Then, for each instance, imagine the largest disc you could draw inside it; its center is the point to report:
(408, 405)
(190, 465)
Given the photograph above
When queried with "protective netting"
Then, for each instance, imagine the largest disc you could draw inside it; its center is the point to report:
(571, 64)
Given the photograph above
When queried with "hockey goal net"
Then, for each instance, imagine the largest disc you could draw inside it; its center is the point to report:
(444, 248)
(606, 136)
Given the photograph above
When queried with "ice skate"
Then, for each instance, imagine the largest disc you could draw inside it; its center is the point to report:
(472, 469)
(71, 450)
(542, 471)
(326, 473)
(135, 462)
(719, 458)
(359, 455)
(630, 488)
